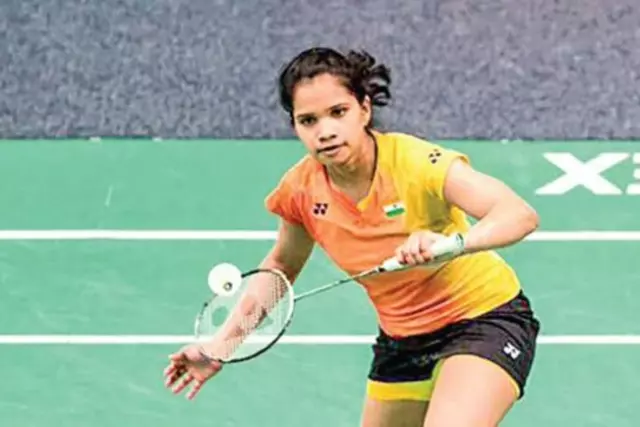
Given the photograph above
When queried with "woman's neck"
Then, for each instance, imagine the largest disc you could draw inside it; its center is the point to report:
(355, 175)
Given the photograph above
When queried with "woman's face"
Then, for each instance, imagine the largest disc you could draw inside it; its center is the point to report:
(329, 120)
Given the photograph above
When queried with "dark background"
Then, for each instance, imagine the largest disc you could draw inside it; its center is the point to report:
(487, 69)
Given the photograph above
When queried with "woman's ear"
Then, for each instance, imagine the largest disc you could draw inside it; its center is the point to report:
(366, 110)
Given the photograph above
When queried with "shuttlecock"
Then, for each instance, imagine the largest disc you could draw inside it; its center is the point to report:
(224, 279)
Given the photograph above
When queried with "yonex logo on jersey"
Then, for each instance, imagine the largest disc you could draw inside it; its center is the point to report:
(434, 156)
(511, 350)
(320, 208)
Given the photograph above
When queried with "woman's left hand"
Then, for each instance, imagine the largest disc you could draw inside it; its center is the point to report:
(416, 249)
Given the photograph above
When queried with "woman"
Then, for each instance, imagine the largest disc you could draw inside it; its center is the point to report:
(456, 342)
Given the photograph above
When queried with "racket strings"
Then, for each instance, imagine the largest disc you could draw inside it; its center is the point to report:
(252, 319)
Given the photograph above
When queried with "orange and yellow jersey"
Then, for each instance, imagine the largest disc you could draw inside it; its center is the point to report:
(406, 195)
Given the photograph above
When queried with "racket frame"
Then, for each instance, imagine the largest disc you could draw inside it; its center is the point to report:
(283, 329)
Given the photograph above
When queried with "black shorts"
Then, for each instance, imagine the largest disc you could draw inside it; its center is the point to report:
(405, 368)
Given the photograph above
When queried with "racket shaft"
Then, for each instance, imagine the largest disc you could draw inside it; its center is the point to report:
(389, 265)
(334, 284)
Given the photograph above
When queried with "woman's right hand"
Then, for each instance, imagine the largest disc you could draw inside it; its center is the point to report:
(189, 366)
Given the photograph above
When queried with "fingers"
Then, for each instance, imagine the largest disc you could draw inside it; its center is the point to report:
(410, 252)
(176, 369)
(178, 356)
(185, 379)
(197, 385)
(182, 384)
(403, 253)
(188, 367)
(170, 369)
(416, 249)
(173, 373)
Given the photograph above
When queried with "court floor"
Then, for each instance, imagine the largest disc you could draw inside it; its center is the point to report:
(88, 318)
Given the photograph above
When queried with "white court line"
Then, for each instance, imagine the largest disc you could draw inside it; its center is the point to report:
(579, 235)
(287, 339)
(270, 235)
(137, 235)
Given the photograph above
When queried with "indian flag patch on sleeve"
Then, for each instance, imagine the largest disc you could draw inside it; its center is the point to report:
(394, 209)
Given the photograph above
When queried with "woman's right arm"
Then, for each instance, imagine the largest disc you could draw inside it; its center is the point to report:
(289, 254)
(291, 250)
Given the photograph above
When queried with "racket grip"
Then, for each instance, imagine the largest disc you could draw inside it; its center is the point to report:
(444, 249)
(392, 264)
(451, 246)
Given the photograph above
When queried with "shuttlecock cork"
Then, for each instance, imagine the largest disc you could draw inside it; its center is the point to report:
(224, 279)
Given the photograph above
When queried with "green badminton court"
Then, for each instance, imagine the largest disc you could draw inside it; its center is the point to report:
(105, 246)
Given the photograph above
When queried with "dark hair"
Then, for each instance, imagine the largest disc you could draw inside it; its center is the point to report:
(358, 71)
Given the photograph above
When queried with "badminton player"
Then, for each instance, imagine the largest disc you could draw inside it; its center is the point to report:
(456, 343)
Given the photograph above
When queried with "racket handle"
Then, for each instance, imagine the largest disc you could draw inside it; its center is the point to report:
(392, 264)
(444, 249)
(450, 247)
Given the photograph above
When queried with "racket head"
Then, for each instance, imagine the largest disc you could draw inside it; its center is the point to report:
(238, 326)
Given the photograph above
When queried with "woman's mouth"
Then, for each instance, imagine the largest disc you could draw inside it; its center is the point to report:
(331, 150)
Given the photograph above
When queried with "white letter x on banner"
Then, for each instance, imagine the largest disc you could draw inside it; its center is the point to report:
(585, 174)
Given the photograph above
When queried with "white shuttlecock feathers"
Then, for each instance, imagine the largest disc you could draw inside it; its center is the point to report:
(224, 279)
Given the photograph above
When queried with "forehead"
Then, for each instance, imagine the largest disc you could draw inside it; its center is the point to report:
(319, 93)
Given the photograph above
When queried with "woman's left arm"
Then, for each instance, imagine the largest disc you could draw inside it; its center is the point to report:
(504, 218)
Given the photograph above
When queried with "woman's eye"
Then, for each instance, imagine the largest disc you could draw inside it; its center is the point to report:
(339, 112)
(307, 121)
